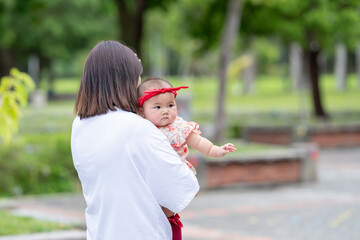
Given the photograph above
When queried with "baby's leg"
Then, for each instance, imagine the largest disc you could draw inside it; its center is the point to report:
(176, 226)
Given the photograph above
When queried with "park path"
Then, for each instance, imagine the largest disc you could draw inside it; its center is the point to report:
(326, 209)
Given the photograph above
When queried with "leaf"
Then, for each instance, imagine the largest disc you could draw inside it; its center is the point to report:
(14, 91)
(239, 64)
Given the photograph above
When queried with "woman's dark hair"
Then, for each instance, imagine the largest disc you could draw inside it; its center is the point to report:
(110, 78)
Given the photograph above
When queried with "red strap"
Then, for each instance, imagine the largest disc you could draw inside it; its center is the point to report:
(175, 220)
(153, 92)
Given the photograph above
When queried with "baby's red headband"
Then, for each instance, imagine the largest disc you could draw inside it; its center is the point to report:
(153, 92)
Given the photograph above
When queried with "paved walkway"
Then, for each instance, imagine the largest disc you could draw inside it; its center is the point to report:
(327, 209)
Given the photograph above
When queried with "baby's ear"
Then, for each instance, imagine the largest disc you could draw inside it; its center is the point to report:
(141, 112)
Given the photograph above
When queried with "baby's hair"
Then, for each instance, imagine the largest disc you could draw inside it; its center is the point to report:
(152, 83)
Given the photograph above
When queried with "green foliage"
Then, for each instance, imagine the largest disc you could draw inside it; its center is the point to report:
(56, 28)
(14, 90)
(38, 159)
(268, 55)
(163, 39)
(204, 21)
(327, 22)
(14, 225)
(38, 163)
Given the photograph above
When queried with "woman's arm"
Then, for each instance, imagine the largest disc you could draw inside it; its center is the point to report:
(206, 147)
(167, 177)
(167, 212)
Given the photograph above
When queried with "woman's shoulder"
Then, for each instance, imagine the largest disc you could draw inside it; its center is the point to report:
(137, 123)
(133, 120)
(124, 115)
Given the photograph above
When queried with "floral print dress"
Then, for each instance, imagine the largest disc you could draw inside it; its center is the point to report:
(177, 133)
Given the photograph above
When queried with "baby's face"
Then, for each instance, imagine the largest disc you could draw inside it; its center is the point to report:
(161, 109)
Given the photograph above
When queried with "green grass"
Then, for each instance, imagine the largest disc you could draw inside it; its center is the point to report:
(67, 86)
(56, 116)
(271, 94)
(13, 225)
(272, 101)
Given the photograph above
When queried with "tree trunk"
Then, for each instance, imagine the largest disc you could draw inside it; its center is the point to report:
(249, 75)
(296, 66)
(340, 66)
(156, 56)
(313, 54)
(51, 91)
(7, 61)
(131, 23)
(34, 69)
(358, 64)
(230, 29)
(46, 63)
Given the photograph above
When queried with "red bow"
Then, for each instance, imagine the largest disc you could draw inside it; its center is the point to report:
(153, 92)
(175, 220)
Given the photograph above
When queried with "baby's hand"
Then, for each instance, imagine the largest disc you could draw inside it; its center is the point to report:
(223, 150)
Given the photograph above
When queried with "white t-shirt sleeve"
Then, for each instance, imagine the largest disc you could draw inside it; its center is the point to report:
(170, 180)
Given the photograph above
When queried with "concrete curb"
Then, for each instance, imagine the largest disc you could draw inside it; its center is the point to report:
(58, 235)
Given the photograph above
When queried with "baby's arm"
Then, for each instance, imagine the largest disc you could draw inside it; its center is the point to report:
(206, 147)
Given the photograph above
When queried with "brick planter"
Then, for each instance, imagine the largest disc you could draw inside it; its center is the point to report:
(331, 137)
(281, 166)
(324, 137)
(271, 135)
(253, 173)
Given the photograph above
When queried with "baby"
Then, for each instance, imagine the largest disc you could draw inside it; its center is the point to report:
(157, 104)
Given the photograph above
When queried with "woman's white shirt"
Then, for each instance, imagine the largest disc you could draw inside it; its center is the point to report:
(128, 170)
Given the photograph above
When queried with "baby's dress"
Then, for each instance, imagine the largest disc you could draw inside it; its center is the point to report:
(177, 132)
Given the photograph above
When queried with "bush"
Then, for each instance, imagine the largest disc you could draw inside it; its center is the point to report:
(38, 163)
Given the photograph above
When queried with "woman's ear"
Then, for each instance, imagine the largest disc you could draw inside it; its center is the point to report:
(141, 112)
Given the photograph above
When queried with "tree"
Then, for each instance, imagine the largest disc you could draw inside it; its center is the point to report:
(315, 25)
(167, 47)
(51, 30)
(131, 20)
(7, 35)
(228, 36)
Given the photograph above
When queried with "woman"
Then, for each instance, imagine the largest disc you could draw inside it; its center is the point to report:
(127, 168)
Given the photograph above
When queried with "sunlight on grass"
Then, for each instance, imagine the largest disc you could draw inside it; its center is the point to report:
(67, 86)
(272, 95)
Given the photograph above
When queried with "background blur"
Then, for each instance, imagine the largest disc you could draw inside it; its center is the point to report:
(269, 64)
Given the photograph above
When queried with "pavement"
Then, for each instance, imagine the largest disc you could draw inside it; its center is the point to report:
(328, 208)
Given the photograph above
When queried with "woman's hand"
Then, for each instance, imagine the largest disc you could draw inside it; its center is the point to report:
(167, 212)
